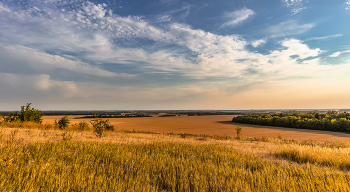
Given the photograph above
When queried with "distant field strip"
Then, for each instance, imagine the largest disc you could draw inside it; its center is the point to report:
(91, 166)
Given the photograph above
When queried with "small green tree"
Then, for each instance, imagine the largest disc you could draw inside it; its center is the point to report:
(30, 114)
(239, 132)
(62, 123)
(100, 126)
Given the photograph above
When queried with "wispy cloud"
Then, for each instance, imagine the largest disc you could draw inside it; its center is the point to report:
(292, 2)
(296, 5)
(324, 37)
(298, 10)
(237, 17)
(347, 5)
(168, 2)
(17, 58)
(182, 12)
(288, 28)
(163, 18)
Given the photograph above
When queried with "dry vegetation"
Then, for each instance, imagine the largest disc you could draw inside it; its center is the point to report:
(48, 157)
(333, 157)
(75, 160)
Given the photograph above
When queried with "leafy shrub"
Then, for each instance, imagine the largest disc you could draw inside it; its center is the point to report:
(27, 114)
(100, 126)
(239, 132)
(62, 123)
(30, 114)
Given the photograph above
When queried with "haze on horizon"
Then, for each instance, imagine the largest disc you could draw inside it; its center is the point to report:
(174, 54)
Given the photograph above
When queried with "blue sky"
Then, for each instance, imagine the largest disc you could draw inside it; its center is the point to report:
(173, 54)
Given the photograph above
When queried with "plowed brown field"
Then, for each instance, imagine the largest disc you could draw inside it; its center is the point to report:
(211, 125)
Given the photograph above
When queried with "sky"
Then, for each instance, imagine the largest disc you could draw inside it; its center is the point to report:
(174, 54)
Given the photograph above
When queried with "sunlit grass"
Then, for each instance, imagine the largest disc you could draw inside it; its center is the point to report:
(86, 166)
(334, 157)
(20, 124)
(189, 163)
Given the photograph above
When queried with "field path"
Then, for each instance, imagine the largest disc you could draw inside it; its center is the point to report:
(212, 125)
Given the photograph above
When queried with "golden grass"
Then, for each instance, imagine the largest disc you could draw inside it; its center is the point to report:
(92, 166)
(333, 157)
(20, 124)
(77, 160)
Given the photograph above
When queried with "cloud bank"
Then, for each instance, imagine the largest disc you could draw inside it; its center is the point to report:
(79, 51)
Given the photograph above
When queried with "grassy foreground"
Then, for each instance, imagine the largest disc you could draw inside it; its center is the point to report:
(92, 166)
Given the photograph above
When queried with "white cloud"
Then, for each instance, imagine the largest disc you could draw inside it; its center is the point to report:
(163, 18)
(17, 55)
(237, 17)
(28, 86)
(259, 42)
(281, 64)
(347, 5)
(95, 10)
(99, 36)
(292, 2)
(336, 54)
(296, 5)
(298, 10)
(4, 8)
(288, 28)
(324, 37)
(296, 47)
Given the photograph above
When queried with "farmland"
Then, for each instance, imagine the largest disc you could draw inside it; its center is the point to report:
(177, 153)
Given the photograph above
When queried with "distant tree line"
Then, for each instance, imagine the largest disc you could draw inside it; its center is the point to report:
(330, 121)
(113, 116)
(168, 115)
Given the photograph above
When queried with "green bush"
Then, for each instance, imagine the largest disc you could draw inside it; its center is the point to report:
(26, 114)
(30, 114)
(62, 123)
(239, 132)
(100, 126)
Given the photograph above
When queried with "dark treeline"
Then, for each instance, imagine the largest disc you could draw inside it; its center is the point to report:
(168, 115)
(199, 113)
(330, 121)
(113, 116)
